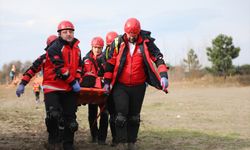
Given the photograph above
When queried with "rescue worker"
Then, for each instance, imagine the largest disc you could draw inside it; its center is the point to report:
(92, 75)
(110, 36)
(36, 67)
(110, 103)
(62, 72)
(12, 73)
(129, 66)
(36, 90)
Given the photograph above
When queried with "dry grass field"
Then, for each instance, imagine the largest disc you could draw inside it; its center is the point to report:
(190, 117)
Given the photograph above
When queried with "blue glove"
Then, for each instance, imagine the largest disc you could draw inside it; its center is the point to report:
(20, 90)
(106, 88)
(164, 83)
(41, 89)
(76, 87)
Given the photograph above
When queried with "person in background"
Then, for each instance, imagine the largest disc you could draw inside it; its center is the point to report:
(93, 72)
(12, 73)
(36, 67)
(110, 36)
(36, 89)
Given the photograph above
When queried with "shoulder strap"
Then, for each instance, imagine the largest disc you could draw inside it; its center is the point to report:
(116, 44)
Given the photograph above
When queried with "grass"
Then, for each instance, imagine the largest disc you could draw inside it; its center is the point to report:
(188, 118)
(180, 139)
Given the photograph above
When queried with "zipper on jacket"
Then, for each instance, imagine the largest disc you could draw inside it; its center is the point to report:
(130, 76)
(69, 57)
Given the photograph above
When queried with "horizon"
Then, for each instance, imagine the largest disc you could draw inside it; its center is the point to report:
(24, 25)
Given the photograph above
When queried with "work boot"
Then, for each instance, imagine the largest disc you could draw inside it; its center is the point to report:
(131, 146)
(58, 146)
(100, 142)
(94, 140)
(121, 146)
(113, 144)
(48, 146)
(68, 147)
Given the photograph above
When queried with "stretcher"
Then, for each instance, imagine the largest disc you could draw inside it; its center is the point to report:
(91, 96)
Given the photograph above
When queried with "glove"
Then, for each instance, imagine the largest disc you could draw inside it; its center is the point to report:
(164, 83)
(41, 89)
(76, 87)
(20, 90)
(106, 88)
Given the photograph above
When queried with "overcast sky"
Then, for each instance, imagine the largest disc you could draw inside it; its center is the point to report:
(177, 25)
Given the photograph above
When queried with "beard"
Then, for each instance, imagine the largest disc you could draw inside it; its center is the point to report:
(132, 39)
(69, 39)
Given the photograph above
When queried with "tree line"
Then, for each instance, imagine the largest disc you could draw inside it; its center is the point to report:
(20, 68)
(220, 54)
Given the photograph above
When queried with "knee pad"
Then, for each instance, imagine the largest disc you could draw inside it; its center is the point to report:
(120, 120)
(52, 120)
(48, 124)
(61, 124)
(73, 126)
(54, 114)
(134, 120)
(52, 125)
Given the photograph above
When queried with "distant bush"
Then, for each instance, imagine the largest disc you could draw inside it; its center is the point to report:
(244, 80)
(243, 70)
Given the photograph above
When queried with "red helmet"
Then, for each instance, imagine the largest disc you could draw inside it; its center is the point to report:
(110, 37)
(51, 38)
(132, 25)
(65, 25)
(97, 42)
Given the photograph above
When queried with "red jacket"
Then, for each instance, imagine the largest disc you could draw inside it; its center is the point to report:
(90, 66)
(151, 56)
(62, 66)
(37, 66)
(93, 66)
(133, 72)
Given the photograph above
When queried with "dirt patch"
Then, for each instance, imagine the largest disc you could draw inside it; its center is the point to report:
(187, 118)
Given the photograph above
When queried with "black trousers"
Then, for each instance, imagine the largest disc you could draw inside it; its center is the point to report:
(101, 132)
(112, 113)
(37, 94)
(61, 117)
(128, 102)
